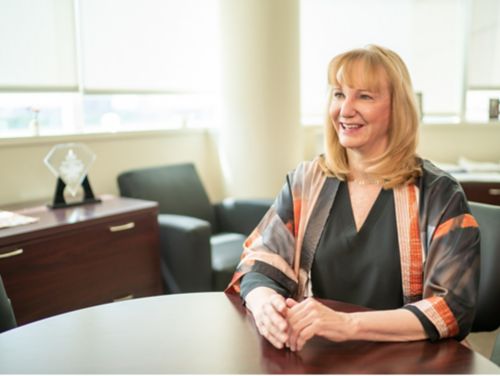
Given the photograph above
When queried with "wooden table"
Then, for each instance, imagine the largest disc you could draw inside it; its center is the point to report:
(206, 333)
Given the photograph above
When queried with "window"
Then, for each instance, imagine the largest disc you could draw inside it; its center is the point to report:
(18, 111)
(451, 48)
(80, 66)
(107, 65)
(483, 58)
(111, 113)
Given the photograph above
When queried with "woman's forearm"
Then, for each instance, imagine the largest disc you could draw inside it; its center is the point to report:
(390, 325)
(311, 318)
(257, 297)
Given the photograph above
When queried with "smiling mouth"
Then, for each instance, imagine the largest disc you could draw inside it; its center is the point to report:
(350, 126)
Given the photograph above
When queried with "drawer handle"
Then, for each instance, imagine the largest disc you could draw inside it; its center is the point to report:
(126, 226)
(126, 297)
(17, 252)
(494, 191)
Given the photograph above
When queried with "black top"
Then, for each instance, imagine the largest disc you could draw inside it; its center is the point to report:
(362, 267)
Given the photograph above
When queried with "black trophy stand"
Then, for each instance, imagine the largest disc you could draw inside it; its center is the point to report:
(60, 202)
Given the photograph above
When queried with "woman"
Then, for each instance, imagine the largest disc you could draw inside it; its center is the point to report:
(368, 223)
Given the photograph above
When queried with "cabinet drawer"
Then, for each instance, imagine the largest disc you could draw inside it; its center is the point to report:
(488, 193)
(79, 268)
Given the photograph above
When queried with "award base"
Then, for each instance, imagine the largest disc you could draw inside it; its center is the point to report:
(60, 202)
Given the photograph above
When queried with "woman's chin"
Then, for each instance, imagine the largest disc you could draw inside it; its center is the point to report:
(351, 144)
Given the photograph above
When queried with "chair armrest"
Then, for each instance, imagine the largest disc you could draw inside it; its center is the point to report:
(185, 253)
(7, 318)
(240, 216)
(495, 355)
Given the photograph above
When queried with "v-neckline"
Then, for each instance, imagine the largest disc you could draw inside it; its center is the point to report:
(371, 216)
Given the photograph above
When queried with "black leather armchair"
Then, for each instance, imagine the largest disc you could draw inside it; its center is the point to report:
(201, 243)
(488, 305)
(7, 318)
(495, 355)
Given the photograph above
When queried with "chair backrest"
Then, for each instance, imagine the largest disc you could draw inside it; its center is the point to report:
(495, 354)
(488, 305)
(177, 188)
(7, 318)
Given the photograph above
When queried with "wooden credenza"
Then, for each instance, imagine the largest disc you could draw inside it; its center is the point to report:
(480, 187)
(81, 256)
(480, 191)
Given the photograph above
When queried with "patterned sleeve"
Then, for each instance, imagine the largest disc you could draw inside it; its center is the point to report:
(451, 267)
(270, 247)
(252, 280)
(276, 247)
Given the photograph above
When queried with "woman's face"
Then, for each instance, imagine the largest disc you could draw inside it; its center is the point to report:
(361, 117)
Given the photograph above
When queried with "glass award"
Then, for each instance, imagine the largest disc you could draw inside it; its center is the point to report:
(70, 164)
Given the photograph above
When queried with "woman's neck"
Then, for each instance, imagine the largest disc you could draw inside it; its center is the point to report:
(358, 164)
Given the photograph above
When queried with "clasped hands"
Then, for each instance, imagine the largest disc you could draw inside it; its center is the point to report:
(288, 323)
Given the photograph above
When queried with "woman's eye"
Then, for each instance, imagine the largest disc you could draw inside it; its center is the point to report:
(338, 94)
(366, 96)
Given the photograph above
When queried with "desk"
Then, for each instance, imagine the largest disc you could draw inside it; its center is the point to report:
(81, 256)
(480, 187)
(205, 333)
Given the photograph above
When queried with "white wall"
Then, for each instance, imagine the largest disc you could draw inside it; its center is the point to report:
(24, 177)
(440, 143)
(446, 143)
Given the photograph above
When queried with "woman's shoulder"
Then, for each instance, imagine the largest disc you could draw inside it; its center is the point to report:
(432, 174)
(435, 179)
(310, 167)
(309, 172)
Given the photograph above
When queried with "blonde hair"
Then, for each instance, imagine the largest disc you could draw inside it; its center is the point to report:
(399, 163)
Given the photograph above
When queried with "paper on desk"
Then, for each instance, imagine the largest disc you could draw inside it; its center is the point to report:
(10, 219)
(474, 166)
(449, 167)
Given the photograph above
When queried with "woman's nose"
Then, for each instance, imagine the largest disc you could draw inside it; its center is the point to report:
(348, 108)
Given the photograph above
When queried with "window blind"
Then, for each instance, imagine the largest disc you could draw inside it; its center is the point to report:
(149, 45)
(484, 43)
(427, 34)
(38, 45)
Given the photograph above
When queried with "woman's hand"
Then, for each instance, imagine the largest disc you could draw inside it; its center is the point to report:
(269, 311)
(310, 318)
(287, 322)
